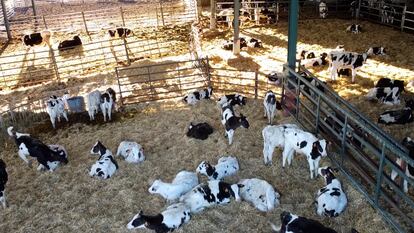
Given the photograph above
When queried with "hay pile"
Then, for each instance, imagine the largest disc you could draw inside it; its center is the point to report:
(70, 201)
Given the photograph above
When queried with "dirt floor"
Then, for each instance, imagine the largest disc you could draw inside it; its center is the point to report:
(68, 200)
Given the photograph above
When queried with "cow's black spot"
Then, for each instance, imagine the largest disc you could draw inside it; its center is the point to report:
(225, 191)
(206, 191)
(330, 213)
(197, 95)
(303, 144)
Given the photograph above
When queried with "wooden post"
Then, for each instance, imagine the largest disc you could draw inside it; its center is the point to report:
(86, 26)
(236, 39)
(6, 20)
(162, 15)
(55, 67)
(119, 85)
(34, 8)
(208, 72)
(122, 16)
(126, 52)
(44, 21)
(213, 14)
(403, 18)
(256, 84)
(156, 12)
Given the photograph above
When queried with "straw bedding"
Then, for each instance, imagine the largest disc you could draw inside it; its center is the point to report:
(70, 201)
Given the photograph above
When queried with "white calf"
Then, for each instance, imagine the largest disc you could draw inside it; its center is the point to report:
(132, 152)
(94, 101)
(331, 200)
(183, 182)
(55, 107)
(304, 143)
(273, 136)
(226, 166)
(260, 193)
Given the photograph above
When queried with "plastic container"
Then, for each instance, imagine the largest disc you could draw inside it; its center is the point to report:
(76, 104)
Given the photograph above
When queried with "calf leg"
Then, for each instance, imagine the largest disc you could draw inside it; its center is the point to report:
(353, 75)
(230, 134)
(3, 198)
(285, 154)
(53, 120)
(103, 111)
(110, 113)
(65, 115)
(268, 153)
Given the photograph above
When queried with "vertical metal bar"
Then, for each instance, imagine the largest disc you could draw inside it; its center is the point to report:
(119, 86)
(156, 13)
(162, 15)
(358, 10)
(150, 82)
(34, 8)
(236, 39)
(208, 72)
(86, 26)
(343, 139)
(403, 18)
(122, 16)
(44, 21)
(54, 63)
(297, 96)
(197, 11)
(212, 14)
(256, 82)
(379, 175)
(6, 20)
(277, 12)
(292, 33)
(318, 105)
(126, 52)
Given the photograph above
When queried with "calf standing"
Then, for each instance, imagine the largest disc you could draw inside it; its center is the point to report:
(270, 105)
(231, 122)
(323, 10)
(406, 168)
(170, 219)
(3, 181)
(331, 200)
(346, 60)
(55, 107)
(120, 32)
(274, 136)
(107, 103)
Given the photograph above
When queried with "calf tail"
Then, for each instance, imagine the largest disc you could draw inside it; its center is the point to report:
(274, 227)
(11, 132)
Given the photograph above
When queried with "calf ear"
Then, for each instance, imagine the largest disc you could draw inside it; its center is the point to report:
(240, 185)
(141, 212)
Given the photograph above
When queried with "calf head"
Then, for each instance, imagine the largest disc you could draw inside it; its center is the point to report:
(205, 168)
(137, 221)
(318, 149)
(327, 173)
(409, 104)
(242, 100)
(408, 142)
(154, 187)
(77, 38)
(285, 218)
(244, 122)
(98, 148)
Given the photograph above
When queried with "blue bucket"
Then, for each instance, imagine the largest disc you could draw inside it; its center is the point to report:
(76, 104)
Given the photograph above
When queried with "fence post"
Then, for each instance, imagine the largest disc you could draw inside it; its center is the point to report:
(297, 98)
(156, 13)
(55, 67)
(86, 26)
(379, 175)
(403, 18)
(44, 21)
(256, 80)
(318, 113)
(119, 85)
(162, 15)
(358, 10)
(213, 14)
(126, 52)
(343, 140)
(122, 16)
(6, 20)
(208, 72)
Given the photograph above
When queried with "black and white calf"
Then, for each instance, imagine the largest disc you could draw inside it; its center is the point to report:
(183, 182)
(260, 193)
(231, 122)
(274, 137)
(304, 54)
(170, 219)
(274, 78)
(38, 38)
(193, 97)
(3, 181)
(103, 101)
(199, 131)
(106, 165)
(48, 157)
(70, 44)
(270, 105)
(233, 99)
(55, 107)
(120, 32)
(226, 166)
(387, 91)
(323, 10)
(379, 51)
(346, 60)
(387, 14)
(402, 116)
(209, 194)
(304, 143)
(132, 152)
(406, 168)
(354, 28)
(318, 61)
(353, 133)
(331, 199)
(292, 223)
(313, 81)
(254, 43)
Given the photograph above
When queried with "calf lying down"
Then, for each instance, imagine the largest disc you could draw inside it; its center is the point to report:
(132, 152)
(226, 166)
(331, 199)
(183, 182)
(260, 193)
(106, 165)
(170, 219)
(210, 194)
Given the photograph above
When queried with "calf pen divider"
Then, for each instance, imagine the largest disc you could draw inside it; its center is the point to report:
(362, 151)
